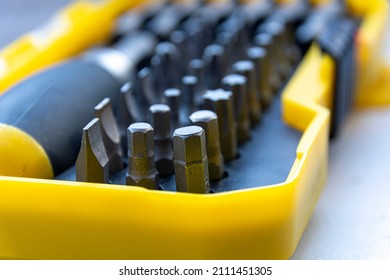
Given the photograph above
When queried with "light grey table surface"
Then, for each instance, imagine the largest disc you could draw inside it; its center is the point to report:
(352, 218)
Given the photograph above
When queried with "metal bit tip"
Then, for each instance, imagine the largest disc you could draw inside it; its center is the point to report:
(92, 160)
(141, 169)
(247, 69)
(190, 160)
(160, 115)
(208, 120)
(110, 133)
(237, 85)
(221, 102)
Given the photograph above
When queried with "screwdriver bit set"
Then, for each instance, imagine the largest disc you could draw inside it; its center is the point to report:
(199, 130)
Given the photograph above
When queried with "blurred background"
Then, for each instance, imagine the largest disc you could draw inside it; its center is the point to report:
(352, 218)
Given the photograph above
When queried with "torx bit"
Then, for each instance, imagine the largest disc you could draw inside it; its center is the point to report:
(208, 120)
(173, 98)
(189, 88)
(265, 41)
(236, 84)
(190, 160)
(258, 56)
(110, 133)
(141, 166)
(247, 69)
(160, 115)
(221, 102)
(92, 160)
(215, 65)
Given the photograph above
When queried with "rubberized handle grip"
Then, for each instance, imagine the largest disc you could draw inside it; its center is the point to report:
(54, 106)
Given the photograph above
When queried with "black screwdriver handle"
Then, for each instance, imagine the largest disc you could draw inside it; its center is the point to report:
(54, 106)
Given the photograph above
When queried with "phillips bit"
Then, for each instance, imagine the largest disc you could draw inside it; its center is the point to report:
(92, 160)
(160, 115)
(265, 41)
(258, 56)
(110, 133)
(190, 160)
(208, 120)
(221, 102)
(236, 84)
(141, 167)
(214, 59)
(247, 69)
(173, 98)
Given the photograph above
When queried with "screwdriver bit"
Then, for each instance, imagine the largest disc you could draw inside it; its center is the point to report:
(129, 112)
(180, 39)
(173, 98)
(160, 115)
(208, 120)
(146, 91)
(197, 70)
(277, 30)
(236, 84)
(228, 41)
(221, 102)
(125, 114)
(265, 41)
(166, 21)
(215, 65)
(258, 56)
(190, 160)
(110, 133)
(166, 66)
(189, 88)
(247, 69)
(92, 164)
(235, 26)
(141, 167)
(197, 37)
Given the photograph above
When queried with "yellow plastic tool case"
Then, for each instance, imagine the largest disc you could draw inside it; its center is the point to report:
(50, 219)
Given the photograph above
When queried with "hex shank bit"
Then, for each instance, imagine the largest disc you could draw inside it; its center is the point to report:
(190, 160)
(236, 84)
(141, 167)
(160, 117)
(258, 56)
(173, 98)
(221, 102)
(247, 69)
(208, 120)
